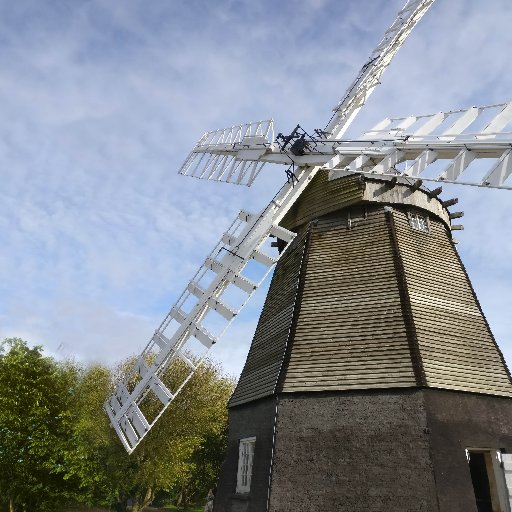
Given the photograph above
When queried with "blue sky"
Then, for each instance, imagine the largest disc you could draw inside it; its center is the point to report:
(102, 101)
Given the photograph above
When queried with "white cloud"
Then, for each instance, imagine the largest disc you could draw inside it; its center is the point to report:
(103, 100)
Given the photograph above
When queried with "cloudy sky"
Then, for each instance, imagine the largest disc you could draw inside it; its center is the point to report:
(102, 100)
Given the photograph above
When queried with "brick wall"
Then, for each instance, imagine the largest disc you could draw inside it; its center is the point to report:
(364, 451)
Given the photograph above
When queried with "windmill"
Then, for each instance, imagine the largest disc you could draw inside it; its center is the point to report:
(324, 344)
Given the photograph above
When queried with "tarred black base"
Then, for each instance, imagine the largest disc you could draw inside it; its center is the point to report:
(255, 419)
(363, 451)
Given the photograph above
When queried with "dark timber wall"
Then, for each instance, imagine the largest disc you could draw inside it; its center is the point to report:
(322, 196)
(350, 329)
(380, 304)
(457, 348)
(263, 365)
(384, 305)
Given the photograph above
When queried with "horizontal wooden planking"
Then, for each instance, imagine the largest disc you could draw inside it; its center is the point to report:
(284, 284)
(403, 194)
(354, 382)
(460, 325)
(468, 353)
(444, 304)
(352, 335)
(438, 320)
(469, 372)
(321, 197)
(326, 266)
(434, 334)
(464, 378)
(356, 302)
(456, 347)
(385, 365)
(462, 382)
(312, 356)
(392, 381)
(342, 350)
(261, 370)
(350, 332)
(275, 323)
(260, 375)
(350, 342)
(465, 386)
(329, 378)
(417, 267)
(334, 386)
(323, 375)
(350, 327)
(362, 362)
(352, 287)
(462, 340)
(355, 363)
(322, 282)
(265, 357)
(323, 298)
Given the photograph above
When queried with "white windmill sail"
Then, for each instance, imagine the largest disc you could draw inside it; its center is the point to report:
(412, 146)
(415, 146)
(229, 155)
(369, 76)
(224, 267)
(238, 153)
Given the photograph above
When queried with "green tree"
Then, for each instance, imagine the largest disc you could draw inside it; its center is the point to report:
(95, 459)
(57, 446)
(173, 456)
(34, 429)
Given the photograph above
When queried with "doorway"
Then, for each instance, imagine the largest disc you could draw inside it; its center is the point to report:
(488, 479)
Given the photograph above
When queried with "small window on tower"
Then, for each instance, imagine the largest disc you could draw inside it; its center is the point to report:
(419, 222)
(245, 458)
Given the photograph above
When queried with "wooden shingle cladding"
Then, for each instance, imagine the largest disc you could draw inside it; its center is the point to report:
(264, 361)
(365, 301)
(456, 346)
(385, 305)
(322, 196)
(350, 331)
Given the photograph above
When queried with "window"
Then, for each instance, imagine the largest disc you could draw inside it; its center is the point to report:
(245, 458)
(419, 222)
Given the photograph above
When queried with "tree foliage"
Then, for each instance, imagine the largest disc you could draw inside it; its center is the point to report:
(97, 459)
(35, 424)
(171, 457)
(57, 447)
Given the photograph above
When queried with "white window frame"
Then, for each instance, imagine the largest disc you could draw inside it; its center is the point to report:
(419, 222)
(245, 459)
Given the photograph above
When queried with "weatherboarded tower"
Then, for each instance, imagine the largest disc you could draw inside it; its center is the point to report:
(373, 382)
